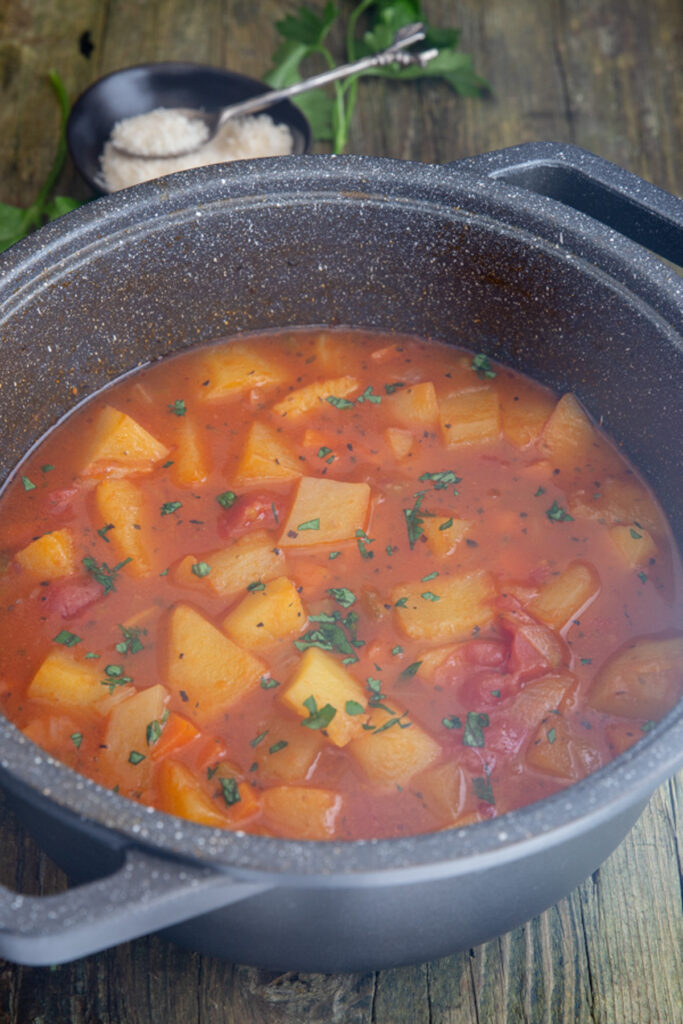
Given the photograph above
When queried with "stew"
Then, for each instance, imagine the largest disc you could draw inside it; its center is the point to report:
(334, 584)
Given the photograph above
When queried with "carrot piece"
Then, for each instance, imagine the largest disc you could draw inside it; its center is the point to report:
(176, 733)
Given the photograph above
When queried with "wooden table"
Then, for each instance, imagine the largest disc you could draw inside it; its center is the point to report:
(605, 74)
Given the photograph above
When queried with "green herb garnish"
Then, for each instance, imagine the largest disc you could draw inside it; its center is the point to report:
(201, 569)
(230, 791)
(76, 739)
(474, 729)
(104, 575)
(135, 757)
(318, 718)
(414, 518)
(169, 507)
(343, 595)
(131, 643)
(178, 408)
(66, 638)
(226, 499)
(557, 514)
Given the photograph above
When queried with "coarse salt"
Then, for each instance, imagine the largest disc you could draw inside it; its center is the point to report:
(164, 130)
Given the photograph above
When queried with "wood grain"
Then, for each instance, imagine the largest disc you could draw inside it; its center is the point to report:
(604, 74)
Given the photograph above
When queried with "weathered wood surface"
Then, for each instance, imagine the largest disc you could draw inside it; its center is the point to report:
(605, 74)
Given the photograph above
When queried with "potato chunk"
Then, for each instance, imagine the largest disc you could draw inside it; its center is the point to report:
(471, 416)
(190, 459)
(557, 749)
(563, 596)
(568, 436)
(642, 681)
(266, 457)
(525, 411)
(321, 677)
(444, 791)
(401, 442)
(301, 812)
(205, 668)
(444, 533)
(393, 753)
(414, 406)
(120, 504)
(125, 758)
(620, 500)
(267, 615)
(309, 397)
(325, 512)
(634, 544)
(252, 558)
(290, 751)
(235, 369)
(181, 793)
(121, 446)
(447, 608)
(62, 680)
(50, 556)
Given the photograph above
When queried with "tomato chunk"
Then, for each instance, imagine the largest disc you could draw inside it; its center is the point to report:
(264, 510)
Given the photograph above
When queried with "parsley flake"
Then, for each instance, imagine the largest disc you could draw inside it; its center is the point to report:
(169, 507)
(226, 499)
(482, 366)
(230, 790)
(178, 408)
(557, 514)
(474, 729)
(66, 638)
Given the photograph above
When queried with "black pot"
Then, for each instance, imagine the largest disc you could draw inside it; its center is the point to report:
(455, 253)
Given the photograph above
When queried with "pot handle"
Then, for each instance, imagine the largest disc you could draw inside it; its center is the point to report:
(635, 208)
(147, 893)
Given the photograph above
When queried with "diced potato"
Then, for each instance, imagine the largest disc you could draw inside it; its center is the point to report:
(524, 410)
(236, 369)
(190, 458)
(568, 437)
(121, 446)
(454, 606)
(321, 677)
(62, 680)
(205, 668)
(325, 512)
(642, 681)
(183, 573)
(264, 616)
(414, 406)
(393, 754)
(181, 793)
(562, 597)
(634, 544)
(622, 735)
(444, 533)
(241, 800)
(252, 558)
(292, 762)
(267, 456)
(301, 812)
(541, 697)
(125, 759)
(558, 750)
(620, 500)
(310, 397)
(120, 503)
(54, 733)
(331, 354)
(444, 790)
(50, 556)
(433, 659)
(400, 441)
(471, 416)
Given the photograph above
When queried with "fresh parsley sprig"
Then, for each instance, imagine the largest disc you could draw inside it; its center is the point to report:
(17, 221)
(304, 35)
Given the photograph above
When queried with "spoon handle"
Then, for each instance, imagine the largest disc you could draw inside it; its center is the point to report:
(393, 54)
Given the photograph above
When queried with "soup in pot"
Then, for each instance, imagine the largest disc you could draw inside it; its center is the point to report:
(334, 584)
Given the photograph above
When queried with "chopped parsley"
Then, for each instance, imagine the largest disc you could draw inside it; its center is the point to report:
(310, 524)
(539, 492)
(104, 530)
(268, 683)
(131, 643)
(414, 519)
(551, 734)
(443, 480)
(394, 386)
(429, 595)
(557, 514)
(318, 718)
(276, 747)
(256, 585)
(483, 789)
(226, 499)
(169, 507)
(178, 408)
(332, 633)
(362, 540)
(258, 739)
(76, 739)
(635, 534)
(339, 403)
(201, 569)
(482, 366)
(28, 484)
(135, 757)
(352, 707)
(230, 790)
(343, 595)
(451, 722)
(474, 729)
(66, 639)
(368, 396)
(104, 575)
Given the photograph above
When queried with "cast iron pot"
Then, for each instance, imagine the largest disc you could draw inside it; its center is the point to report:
(455, 253)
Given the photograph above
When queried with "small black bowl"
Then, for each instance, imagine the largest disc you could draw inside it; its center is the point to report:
(142, 88)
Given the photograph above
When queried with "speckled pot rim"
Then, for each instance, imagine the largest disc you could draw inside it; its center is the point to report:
(625, 783)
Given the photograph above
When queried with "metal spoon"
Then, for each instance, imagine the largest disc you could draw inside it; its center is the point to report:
(214, 119)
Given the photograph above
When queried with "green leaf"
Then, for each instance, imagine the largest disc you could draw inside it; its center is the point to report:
(474, 729)
(308, 27)
(317, 107)
(60, 205)
(318, 718)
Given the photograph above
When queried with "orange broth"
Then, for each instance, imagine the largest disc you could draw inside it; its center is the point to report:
(334, 584)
